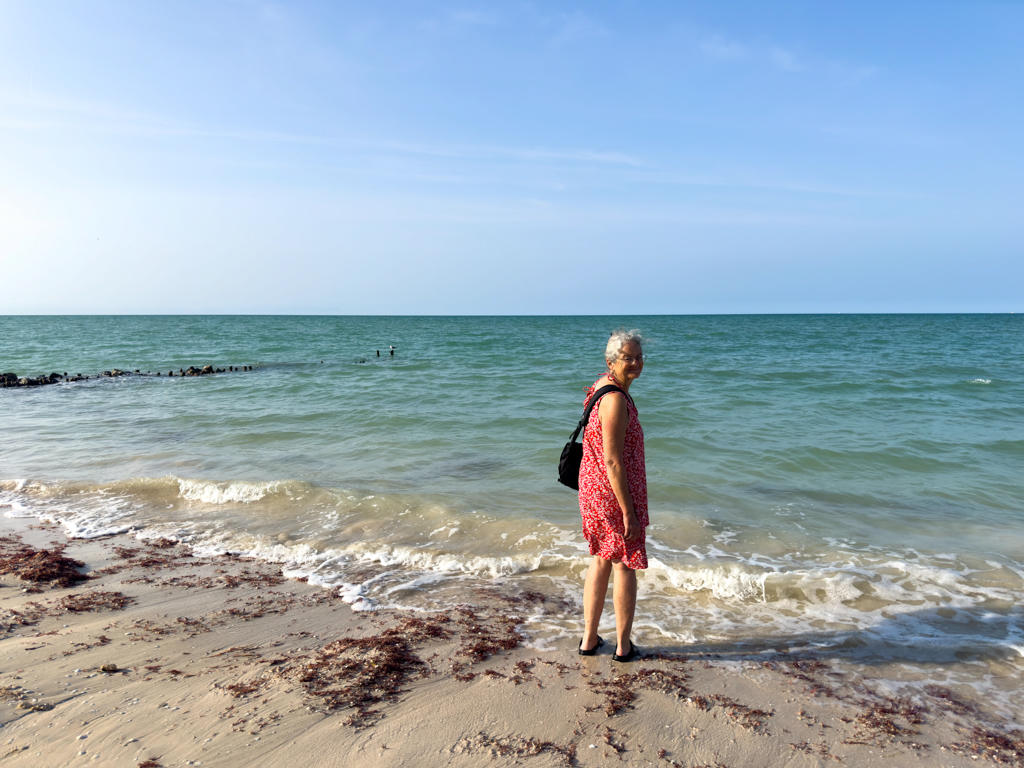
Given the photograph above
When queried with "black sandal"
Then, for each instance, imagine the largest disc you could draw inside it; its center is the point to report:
(592, 651)
(634, 654)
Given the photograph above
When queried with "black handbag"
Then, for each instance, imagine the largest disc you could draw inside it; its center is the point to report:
(572, 454)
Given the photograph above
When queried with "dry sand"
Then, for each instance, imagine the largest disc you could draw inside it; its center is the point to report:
(222, 662)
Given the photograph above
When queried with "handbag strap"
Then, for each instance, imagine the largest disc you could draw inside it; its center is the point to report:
(592, 402)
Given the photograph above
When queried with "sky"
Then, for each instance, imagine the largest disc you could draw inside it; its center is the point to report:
(228, 156)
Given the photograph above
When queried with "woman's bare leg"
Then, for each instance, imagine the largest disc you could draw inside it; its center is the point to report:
(595, 589)
(624, 597)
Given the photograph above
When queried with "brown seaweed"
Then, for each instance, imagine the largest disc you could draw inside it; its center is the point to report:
(40, 565)
(95, 601)
(516, 747)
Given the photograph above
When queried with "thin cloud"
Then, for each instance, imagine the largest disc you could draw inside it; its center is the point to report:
(763, 184)
(853, 74)
(456, 21)
(76, 115)
(785, 60)
(521, 153)
(637, 170)
(576, 27)
(474, 18)
(720, 49)
(44, 102)
(273, 13)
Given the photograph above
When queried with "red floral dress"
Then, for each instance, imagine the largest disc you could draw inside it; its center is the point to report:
(602, 515)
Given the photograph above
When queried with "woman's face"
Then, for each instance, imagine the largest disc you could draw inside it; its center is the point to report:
(629, 364)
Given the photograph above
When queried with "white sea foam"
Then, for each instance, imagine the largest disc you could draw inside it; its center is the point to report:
(979, 381)
(17, 509)
(487, 567)
(210, 492)
(725, 582)
(353, 595)
(887, 610)
(725, 537)
(93, 530)
(96, 514)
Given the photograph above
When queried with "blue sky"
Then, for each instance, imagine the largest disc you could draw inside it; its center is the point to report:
(506, 158)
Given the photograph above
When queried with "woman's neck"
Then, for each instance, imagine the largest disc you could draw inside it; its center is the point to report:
(623, 386)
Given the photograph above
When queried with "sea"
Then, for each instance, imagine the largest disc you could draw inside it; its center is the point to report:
(847, 486)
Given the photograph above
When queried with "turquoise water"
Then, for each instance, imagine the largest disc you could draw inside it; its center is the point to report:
(850, 483)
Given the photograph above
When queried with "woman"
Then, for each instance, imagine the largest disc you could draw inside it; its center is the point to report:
(613, 497)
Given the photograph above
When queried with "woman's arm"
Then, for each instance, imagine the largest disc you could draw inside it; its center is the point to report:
(614, 419)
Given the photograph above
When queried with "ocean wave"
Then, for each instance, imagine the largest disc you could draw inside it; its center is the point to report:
(211, 492)
(725, 581)
(889, 610)
(164, 491)
(83, 514)
(304, 561)
(486, 567)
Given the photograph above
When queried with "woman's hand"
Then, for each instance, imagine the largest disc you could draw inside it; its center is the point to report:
(632, 526)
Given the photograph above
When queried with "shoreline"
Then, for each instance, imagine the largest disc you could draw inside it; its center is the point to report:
(222, 661)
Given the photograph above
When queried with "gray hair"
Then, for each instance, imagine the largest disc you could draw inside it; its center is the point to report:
(618, 340)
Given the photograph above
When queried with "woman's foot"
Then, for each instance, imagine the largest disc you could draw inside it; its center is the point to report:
(590, 651)
(633, 655)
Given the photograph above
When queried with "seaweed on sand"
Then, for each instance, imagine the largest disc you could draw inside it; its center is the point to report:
(148, 559)
(821, 749)
(548, 604)
(951, 702)
(1000, 748)
(40, 565)
(241, 688)
(515, 747)
(29, 615)
(884, 720)
(362, 673)
(620, 692)
(480, 641)
(95, 601)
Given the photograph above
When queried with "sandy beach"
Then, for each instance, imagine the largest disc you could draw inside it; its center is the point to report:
(159, 658)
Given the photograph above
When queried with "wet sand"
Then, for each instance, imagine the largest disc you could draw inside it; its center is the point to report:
(222, 662)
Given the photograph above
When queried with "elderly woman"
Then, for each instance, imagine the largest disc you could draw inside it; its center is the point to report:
(613, 497)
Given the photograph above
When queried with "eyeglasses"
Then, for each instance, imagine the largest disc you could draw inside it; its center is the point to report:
(630, 360)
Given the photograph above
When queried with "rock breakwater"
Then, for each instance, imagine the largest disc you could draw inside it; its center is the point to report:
(8, 380)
